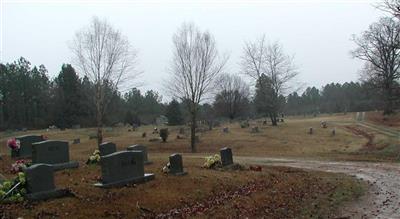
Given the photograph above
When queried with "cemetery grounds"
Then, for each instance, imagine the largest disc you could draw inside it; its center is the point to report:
(352, 174)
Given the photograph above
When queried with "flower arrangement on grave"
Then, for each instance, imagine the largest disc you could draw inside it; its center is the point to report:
(212, 161)
(18, 166)
(13, 144)
(13, 190)
(44, 137)
(166, 168)
(94, 158)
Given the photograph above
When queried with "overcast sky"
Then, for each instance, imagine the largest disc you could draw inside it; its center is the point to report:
(317, 33)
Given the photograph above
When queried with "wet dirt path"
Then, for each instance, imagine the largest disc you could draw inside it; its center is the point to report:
(382, 200)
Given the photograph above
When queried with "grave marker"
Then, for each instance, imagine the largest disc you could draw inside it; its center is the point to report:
(122, 168)
(226, 156)
(25, 150)
(107, 148)
(40, 183)
(54, 153)
(143, 149)
(176, 165)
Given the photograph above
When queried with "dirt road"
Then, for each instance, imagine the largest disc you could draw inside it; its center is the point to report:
(381, 201)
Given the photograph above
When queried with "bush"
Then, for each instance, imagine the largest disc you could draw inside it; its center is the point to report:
(164, 134)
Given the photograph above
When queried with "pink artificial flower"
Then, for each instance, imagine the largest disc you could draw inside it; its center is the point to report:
(13, 144)
(17, 166)
(44, 137)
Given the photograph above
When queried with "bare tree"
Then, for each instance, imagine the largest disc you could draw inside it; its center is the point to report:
(379, 46)
(107, 59)
(390, 6)
(233, 95)
(268, 62)
(195, 66)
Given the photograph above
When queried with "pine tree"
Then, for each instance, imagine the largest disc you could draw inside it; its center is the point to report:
(174, 113)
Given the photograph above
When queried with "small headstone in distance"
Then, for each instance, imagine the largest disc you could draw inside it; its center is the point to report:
(176, 165)
(225, 130)
(54, 153)
(310, 130)
(226, 156)
(282, 120)
(265, 122)
(76, 141)
(123, 168)
(143, 149)
(144, 135)
(107, 148)
(40, 183)
(333, 131)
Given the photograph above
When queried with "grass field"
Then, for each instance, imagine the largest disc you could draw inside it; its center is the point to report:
(276, 192)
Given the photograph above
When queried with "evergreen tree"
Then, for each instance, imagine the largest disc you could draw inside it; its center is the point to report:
(174, 113)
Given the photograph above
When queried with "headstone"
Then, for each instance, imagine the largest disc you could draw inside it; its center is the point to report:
(144, 135)
(25, 150)
(176, 165)
(76, 141)
(122, 168)
(225, 129)
(282, 120)
(107, 148)
(143, 149)
(54, 153)
(333, 131)
(310, 130)
(40, 183)
(226, 156)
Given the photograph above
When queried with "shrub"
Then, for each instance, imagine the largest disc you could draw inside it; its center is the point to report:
(164, 134)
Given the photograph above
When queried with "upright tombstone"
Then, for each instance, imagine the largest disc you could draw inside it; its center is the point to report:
(25, 150)
(176, 165)
(122, 168)
(40, 183)
(54, 153)
(226, 156)
(143, 149)
(107, 148)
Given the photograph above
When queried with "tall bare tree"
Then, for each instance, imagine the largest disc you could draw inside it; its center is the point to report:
(379, 46)
(390, 6)
(105, 56)
(233, 95)
(194, 68)
(264, 61)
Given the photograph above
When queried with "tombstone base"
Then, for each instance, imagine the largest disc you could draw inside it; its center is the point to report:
(145, 178)
(62, 166)
(57, 193)
(179, 174)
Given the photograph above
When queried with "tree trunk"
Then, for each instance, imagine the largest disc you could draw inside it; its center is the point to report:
(273, 119)
(99, 119)
(193, 132)
(388, 106)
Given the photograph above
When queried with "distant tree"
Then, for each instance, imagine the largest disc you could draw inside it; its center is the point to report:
(67, 97)
(232, 99)
(194, 68)
(272, 70)
(379, 46)
(105, 57)
(174, 113)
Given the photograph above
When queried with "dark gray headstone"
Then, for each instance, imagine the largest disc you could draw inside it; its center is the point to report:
(107, 148)
(25, 149)
(176, 165)
(138, 147)
(122, 168)
(40, 182)
(55, 153)
(226, 156)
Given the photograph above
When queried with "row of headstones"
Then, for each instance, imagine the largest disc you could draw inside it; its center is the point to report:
(118, 169)
(51, 152)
